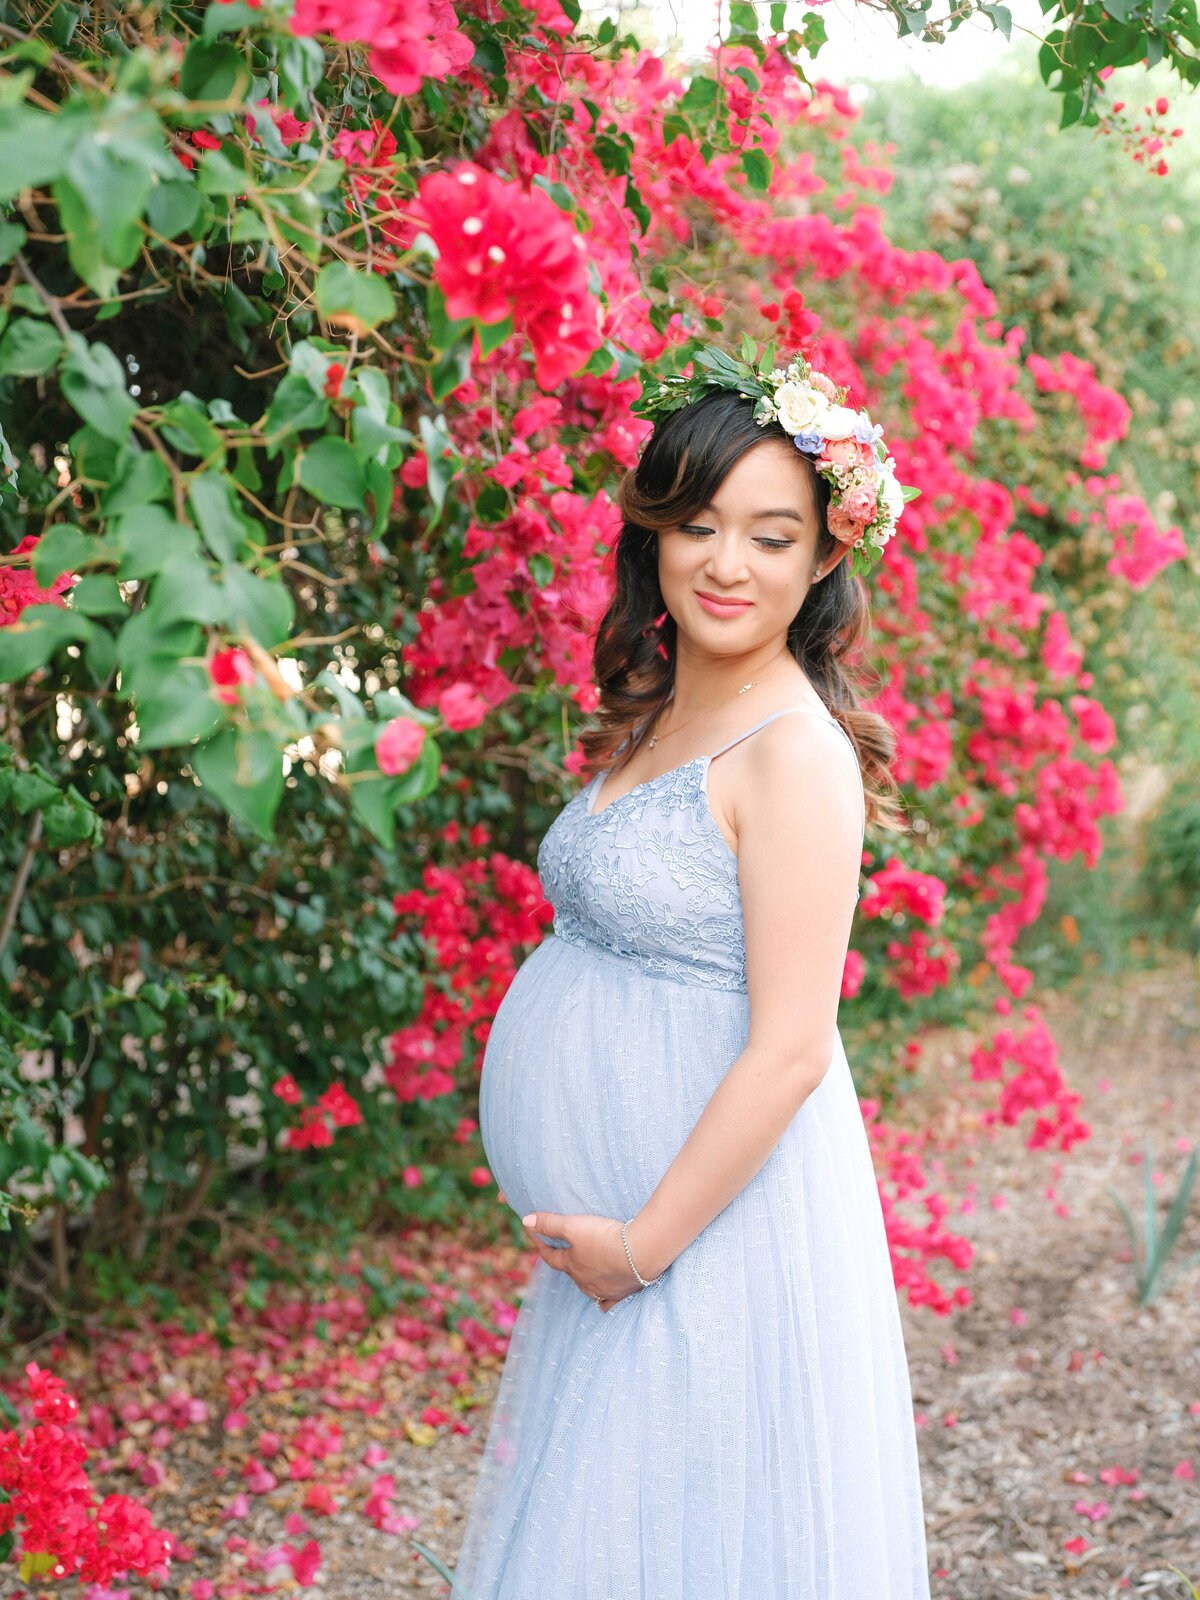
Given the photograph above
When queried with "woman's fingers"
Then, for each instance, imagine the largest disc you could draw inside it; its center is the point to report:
(545, 1222)
(552, 1258)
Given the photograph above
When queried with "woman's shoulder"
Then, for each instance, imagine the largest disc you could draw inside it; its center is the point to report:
(798, 756)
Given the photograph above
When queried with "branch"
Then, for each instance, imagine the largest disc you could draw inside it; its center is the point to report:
(16, 893)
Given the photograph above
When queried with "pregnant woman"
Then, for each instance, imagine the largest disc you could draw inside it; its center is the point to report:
(706, 1395)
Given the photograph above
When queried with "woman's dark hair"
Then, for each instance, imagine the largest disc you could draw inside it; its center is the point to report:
(681, 468)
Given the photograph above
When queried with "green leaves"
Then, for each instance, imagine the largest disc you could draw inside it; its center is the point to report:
(66, 816)
(261, 607)
(220, 521)
(29, 349)
(330, 470)
(700, 97)
(94, 383)
(117, 153)
(64, 548)
(214, 71)
(1152, 1251)
(176, 705)
(357, 301)
(913, 18)
(187, 427)
(32, 640)
(374, 799)
(34, 148)
(244, 771)
(148, 539)
(757, 166)
(1001, 17)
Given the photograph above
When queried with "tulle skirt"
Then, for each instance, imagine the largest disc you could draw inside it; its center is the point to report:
(743, 1428)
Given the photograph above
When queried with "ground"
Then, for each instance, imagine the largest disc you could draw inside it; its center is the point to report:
(1058, 1419)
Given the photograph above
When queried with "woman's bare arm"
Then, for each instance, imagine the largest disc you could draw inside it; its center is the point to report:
(799, 824)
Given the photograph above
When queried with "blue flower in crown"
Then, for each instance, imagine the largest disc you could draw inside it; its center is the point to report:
(811, 443)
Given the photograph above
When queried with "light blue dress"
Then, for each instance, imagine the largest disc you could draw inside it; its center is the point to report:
(743, 1428)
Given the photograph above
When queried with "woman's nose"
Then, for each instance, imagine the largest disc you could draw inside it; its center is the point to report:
(726, 562)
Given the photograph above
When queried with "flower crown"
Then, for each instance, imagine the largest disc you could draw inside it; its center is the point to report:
(846, 446)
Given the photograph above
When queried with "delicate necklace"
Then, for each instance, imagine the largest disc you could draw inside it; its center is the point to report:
(656, 737)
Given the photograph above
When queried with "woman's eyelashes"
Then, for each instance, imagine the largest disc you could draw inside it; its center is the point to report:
(767, 544)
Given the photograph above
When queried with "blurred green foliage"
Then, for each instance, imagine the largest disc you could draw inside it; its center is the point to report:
(1094, 255)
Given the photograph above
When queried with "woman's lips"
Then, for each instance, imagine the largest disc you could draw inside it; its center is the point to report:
(723, 608)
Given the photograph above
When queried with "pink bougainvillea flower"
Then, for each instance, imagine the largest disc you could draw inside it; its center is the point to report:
(419, 39)
(259, 1478)
(507, 251)
(461, 707)
(1095, 1512)
(1096, 727)
(18, 587)
(319, 1498)
(343, 1111)
(897, 887)
(919, 965)
(1077, 1545)
(50, 1506)
(229, 670)
(399, 745)
(853, 973)
(51, 1402)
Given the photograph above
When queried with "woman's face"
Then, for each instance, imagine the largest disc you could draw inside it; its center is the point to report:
(755, 543)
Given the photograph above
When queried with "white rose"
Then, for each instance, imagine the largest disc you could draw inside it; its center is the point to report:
(891, 495)
(801, 408)
(839, 422)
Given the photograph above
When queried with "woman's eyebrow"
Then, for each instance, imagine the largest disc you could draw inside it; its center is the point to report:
(755, 516)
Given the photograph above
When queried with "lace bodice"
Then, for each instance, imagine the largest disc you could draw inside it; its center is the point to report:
(650, 877)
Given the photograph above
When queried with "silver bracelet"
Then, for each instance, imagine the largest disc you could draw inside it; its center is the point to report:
(645, 1282)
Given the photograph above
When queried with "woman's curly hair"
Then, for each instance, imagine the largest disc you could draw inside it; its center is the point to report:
(681, 468)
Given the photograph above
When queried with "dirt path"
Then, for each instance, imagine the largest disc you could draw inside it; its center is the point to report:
(1024, 1413)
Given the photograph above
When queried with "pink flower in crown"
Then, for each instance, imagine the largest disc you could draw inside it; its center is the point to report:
(842, 526)
(841, 453)
(825, 386)
(861, 502)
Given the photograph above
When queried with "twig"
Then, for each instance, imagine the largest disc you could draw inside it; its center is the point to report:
(19, 881)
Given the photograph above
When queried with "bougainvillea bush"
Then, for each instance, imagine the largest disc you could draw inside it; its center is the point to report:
(48, 1510)
(321, 331)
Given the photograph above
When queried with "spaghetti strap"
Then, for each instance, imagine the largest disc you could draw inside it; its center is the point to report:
(825, 717)
(746, 732)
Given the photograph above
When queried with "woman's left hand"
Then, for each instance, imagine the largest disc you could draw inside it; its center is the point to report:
(595, 1258)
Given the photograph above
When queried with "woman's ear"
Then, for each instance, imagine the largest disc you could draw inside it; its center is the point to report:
(827, 563)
